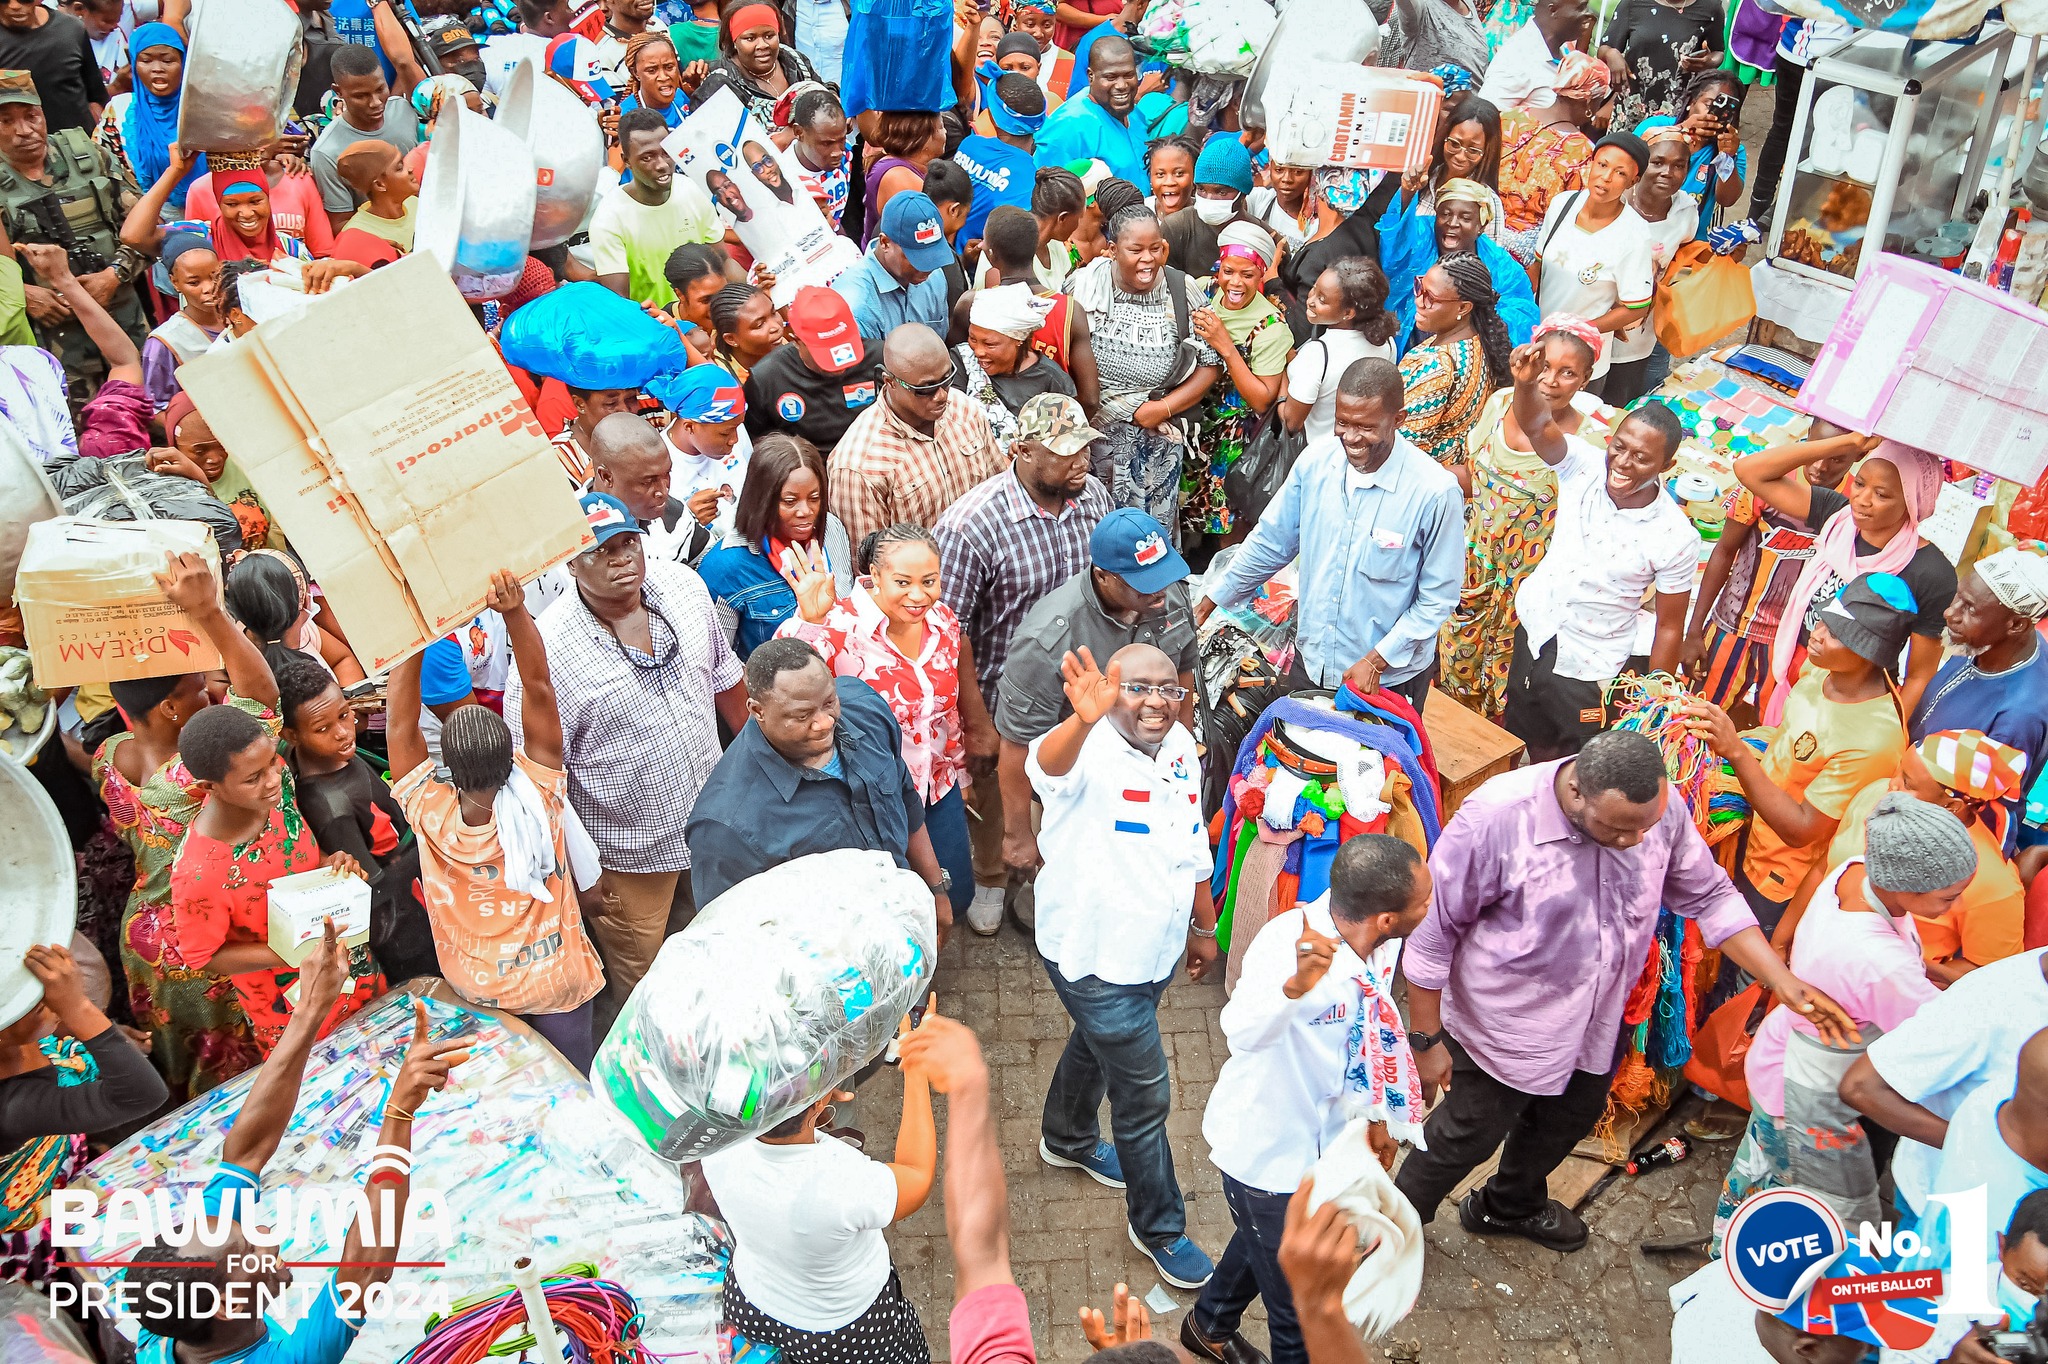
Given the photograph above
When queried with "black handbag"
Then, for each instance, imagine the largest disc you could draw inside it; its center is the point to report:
(1253, 480)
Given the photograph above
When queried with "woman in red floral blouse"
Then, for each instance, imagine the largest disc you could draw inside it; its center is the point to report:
(894, 633)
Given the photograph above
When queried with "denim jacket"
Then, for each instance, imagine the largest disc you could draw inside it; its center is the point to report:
(751, 597)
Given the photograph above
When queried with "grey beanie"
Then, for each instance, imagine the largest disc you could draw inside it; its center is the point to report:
(1915, 847)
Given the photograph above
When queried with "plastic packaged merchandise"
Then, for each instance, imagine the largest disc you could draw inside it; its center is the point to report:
(780, 989)
(521, 1158)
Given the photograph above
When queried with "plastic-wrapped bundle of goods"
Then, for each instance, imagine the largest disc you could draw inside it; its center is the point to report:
(780, 989)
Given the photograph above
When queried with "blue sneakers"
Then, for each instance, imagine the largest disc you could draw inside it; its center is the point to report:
(1099, 1165)
(1180, 1261)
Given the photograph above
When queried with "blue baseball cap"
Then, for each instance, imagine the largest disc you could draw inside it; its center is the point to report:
(608, 516)
(1135, 547)
(912, 222)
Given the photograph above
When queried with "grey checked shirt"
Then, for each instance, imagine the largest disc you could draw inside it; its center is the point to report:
(1000, 552)
(639, 734)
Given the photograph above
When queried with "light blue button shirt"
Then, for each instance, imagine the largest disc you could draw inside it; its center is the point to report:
(1382, 556)
(881, 303)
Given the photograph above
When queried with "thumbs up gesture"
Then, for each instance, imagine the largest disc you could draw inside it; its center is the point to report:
(1312, 955)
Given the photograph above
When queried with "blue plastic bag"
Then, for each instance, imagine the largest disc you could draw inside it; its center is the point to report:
(899, 56)
(589, 337)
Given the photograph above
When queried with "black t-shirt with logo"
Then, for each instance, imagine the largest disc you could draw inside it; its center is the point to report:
(785, 394)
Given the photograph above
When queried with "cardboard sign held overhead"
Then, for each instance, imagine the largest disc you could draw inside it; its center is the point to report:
(388, 441)
(90, 605)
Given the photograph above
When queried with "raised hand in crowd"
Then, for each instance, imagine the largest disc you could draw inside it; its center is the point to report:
(1128, 1321)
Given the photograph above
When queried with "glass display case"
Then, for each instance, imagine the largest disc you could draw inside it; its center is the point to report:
(1888, 145)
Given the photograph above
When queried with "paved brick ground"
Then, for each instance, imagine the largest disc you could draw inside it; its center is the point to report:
(1482, 1301)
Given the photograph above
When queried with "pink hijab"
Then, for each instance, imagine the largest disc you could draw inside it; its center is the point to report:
(1834, 552)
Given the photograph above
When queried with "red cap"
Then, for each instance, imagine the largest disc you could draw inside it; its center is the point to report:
(824, 326)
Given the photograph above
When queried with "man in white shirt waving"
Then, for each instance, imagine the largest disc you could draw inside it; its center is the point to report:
(1123, 898)
(1313, 1036)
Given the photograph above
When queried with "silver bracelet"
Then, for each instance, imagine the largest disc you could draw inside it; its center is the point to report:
(1200, 931)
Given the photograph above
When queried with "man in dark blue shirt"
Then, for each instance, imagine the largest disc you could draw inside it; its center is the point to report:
(818, 766)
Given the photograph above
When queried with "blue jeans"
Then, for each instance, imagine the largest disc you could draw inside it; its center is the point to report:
(1115, 1050)
(945, 821)
(1250, 1268)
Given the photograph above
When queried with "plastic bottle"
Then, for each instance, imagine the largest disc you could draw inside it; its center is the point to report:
(2002, 264)
(1669, 1151)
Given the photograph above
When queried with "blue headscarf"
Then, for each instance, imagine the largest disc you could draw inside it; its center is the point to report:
(151, 124)
(1001, 114)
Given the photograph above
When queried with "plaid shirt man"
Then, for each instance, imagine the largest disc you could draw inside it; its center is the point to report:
(1000, 552)
(884, 471)
(639, 733)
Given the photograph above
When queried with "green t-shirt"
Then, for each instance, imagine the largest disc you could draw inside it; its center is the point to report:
(14, 324)
(695, 42)
(1271, 343)
(628, 237)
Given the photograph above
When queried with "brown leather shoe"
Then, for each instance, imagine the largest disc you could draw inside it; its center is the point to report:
(1232, 1349)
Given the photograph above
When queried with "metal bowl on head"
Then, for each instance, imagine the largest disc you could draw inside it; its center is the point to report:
(476, 204)
(567, 145)
(242, 60)
(41, 881)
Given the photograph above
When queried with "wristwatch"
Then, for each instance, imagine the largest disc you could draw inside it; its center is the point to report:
(945, 884)
(1423, 1041)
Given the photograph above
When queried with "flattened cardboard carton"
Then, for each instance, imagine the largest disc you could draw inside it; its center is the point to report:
(386, 438)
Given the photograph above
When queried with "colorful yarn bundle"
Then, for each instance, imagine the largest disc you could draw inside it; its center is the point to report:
(1649, 705)
(1657, 1014)
(598, 1318)
(1728, 806)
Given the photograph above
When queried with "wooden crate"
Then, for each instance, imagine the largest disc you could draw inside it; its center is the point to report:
(1468, 749)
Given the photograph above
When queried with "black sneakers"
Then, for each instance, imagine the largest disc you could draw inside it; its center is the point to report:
(1556, 1227)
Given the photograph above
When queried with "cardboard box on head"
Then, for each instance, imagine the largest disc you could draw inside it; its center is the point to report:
(387, 440)
(90, 605)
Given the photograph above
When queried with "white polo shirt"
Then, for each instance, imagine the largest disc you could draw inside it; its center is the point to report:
(1280, 1098)
(1123, 845)
(1602, 559)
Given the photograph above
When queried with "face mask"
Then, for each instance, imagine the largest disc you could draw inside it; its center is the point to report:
(1215, 212)
(2016, 1302)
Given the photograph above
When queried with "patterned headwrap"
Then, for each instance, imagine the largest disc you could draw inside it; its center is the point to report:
(428, 94)
(1659, 128)
(1570, 326)
(1582, 77)
(1342, 187)
(1241, 238)
(1042, 6)
(1971, 763)
(2018, 577)
(1457, 80)
(1470, 191)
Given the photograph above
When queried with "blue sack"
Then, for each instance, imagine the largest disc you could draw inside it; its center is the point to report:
(588, 337)
(899, 56)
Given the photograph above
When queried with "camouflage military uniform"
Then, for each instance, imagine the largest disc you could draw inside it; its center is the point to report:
(77, 206)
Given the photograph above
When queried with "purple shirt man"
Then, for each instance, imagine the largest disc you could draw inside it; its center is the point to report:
(1548, 882)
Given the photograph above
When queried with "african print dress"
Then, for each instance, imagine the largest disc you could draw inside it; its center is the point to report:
(31, 1170)
(198, 1034)
(1447, 389)
(1507, 529)
(1228, 421)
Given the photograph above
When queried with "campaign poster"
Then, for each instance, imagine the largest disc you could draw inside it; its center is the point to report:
(754, 186)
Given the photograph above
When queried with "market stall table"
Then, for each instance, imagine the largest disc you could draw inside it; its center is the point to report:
(525, 1161)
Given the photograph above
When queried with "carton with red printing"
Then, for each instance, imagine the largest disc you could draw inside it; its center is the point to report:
(386, 438)
(90, 604)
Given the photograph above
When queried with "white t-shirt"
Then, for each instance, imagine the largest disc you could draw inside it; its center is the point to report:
(1318, 367)
(1976, 1154)
(1263, 205)
(1666, 235)
(1711, 1322)
(503, 52)
(806, 1226)
(690, 473)
(1967, 1036)
(1602, 558)
(1118, 819)
(1586, 273)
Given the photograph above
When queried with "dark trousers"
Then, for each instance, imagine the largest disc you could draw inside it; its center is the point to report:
(1477, 1115)
(1115, 1051)
(1769, 162)
(569, 1033)
(1250, 1268)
